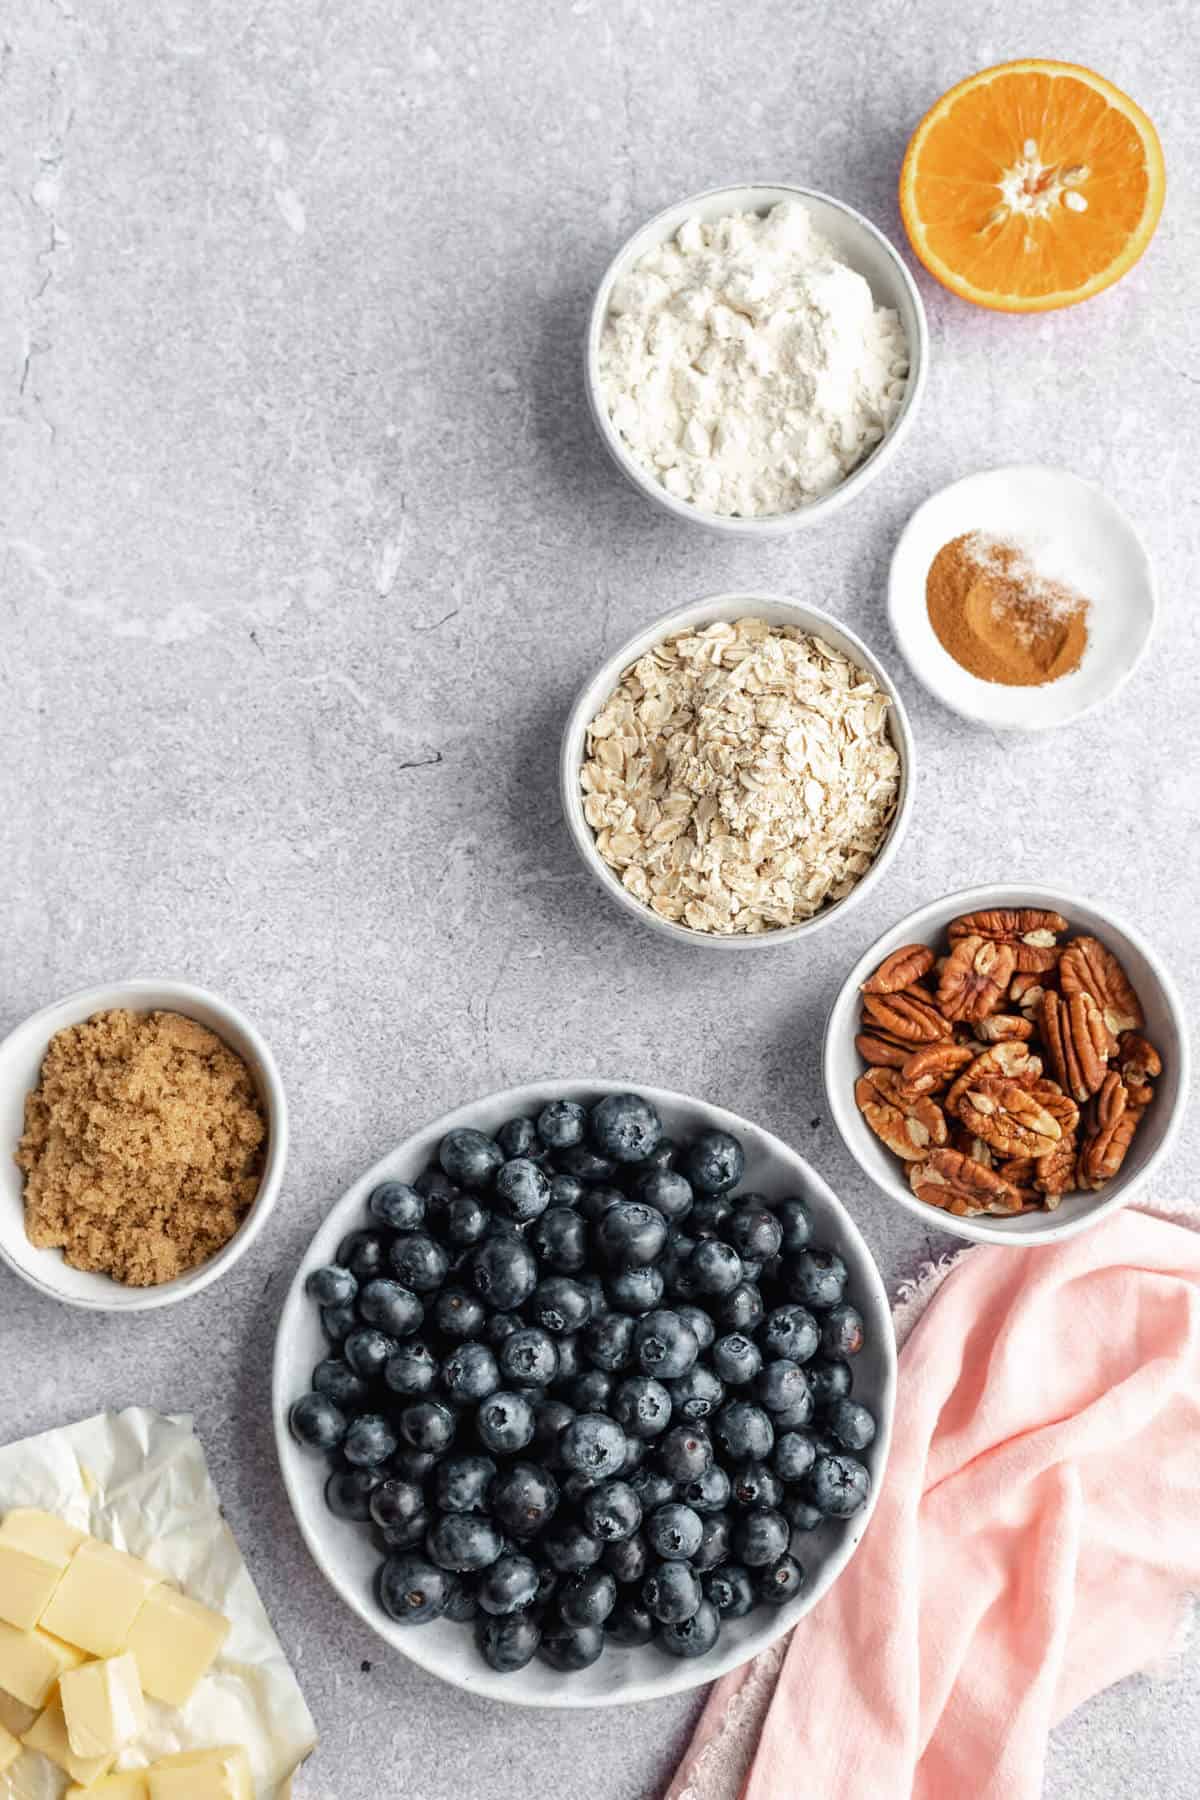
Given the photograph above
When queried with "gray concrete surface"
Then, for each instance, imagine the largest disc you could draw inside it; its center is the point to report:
(306, 543)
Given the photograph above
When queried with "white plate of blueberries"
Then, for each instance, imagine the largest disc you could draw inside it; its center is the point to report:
(583, 1394)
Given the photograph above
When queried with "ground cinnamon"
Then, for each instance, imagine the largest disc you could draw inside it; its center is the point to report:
(999, 618)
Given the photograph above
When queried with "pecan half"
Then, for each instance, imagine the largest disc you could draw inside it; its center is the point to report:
(1060, 1106)
(959, 1185)
(933, 1067)
(1140, 1064)
(1108, 1129)
(1002, 1027)
(1089, 967)
(880, 1052)
(1031, 933)
(903, 968)
(1078, 1042)
(907, 1126)
(1055, 1172)
(1026, 991)
(910, 1016)
(975, 977)
(1015, 1061)
(1007, 1116)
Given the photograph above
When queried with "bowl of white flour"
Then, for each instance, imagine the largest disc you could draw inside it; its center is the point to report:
(755, 356)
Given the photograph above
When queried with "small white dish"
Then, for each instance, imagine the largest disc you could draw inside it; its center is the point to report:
(863, 248)
(777, 610)
(1166, 1028)
(345, 1552)
(1074, 532)
(21, 1055)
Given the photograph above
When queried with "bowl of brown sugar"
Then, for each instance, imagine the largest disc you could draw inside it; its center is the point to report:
(1021, 597)
(146, 1127)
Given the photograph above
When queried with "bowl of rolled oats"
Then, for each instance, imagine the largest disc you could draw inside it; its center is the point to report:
(1009, 1063)
(739, 773)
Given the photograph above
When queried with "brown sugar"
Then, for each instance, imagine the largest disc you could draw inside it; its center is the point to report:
(143, 1146)
(1000, 619)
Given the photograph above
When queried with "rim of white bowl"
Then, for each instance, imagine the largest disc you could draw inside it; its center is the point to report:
(603, 681)
(920, 671)
(676, 1677)
(800, 518)
(984, 1231)
(101, 997)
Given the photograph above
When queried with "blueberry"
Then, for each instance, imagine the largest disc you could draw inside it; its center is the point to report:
(463, 1483)
(332, 1286)
(463, 1542)
(608, 1341)
(522, 1190)
(566, 1190)
(593, 1445)
(369, 1441)
(585, 1164)
(714, 1162)
(363, 1253)
(744, 1431)
(592, 1391)
(626, 1558)
(393, 1308)
(755, 1484)
(802, 1516)
(634, 1290)
(398, 1508)
(815, 1277)
(684, 1454)
(664, 1345)
(396, 1204)
(760, 1536)
(794, 1218)
(524, 1498)
(528, 1358)
(367, 1352)
(461, 1605)
(625, 1127)
(780, 1581)
(612, 1511)
(337, 1381)
(716, 1541)
(740, 1310)
(708, 1493)
(851, 1424)
(419, 1261)
(499, 1326)
(317, 1422)
(504, 1422)
(508, 1643)
(466, 1221)
(696, 1395)
(348, 1492)
(508, 1585)
(631, 1234)
(790, 1331)
(754, 1232)
(629, 1624)
(571, 1647)
(458, 1315)
(782, 1387)
(673, 1532)
(736, 1358)
(691, 1637)
(839, 1485)
(730, 1590)
(469, 1158)
(337, 1322)
(642, 1405)
(652, 1486)
(830, 1381)
(709, 1215)
(672, 1592)
(569, 1548)
(793, 1455)
(714, 1267)
(504, 1272)
(550, 1420)
(561, 1124)
(560, 1304)
(587, 1598)
(699, 1324)
(427, 1425)
(559, 1240)
(842, 1332)
(518, 1137)
(667, 1191)
(410, 1369)
(435, 1186)
(411, 1590)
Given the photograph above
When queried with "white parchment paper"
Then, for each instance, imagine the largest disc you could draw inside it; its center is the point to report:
(140, 1481)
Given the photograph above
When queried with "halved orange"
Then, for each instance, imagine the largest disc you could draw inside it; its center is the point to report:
(1032, 185)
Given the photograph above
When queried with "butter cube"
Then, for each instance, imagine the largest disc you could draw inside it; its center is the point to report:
(31, 1662)
(98, 1598)
(48, 1733)
(130, 1785)
(222, 1774)
(10, 1749)
(35, 1548)
(175, 1641)
(103, 1706)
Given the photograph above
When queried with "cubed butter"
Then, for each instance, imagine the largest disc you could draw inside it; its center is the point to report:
(103, 1706)
(35, 1548)
(222, 1774)
(31, 1662)
(98, 1598)
(129, 1785)
(48, 1733)
(175, 1641)
(10, 1749)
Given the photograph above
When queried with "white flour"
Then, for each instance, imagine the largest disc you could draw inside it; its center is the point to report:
(748, 369)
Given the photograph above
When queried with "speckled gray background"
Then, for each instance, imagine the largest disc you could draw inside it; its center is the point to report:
(306, 544)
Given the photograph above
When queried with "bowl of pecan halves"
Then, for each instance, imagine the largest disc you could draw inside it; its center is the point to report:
(1010, 1058)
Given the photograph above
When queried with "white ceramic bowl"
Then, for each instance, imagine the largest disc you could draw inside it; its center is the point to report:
(777, 610)
(1074, 532)
(1165, 1027)
(21, 1056)
(858, 244)
(345, 1552)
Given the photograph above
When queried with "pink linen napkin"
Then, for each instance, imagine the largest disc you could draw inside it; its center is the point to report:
(1036, 1539)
